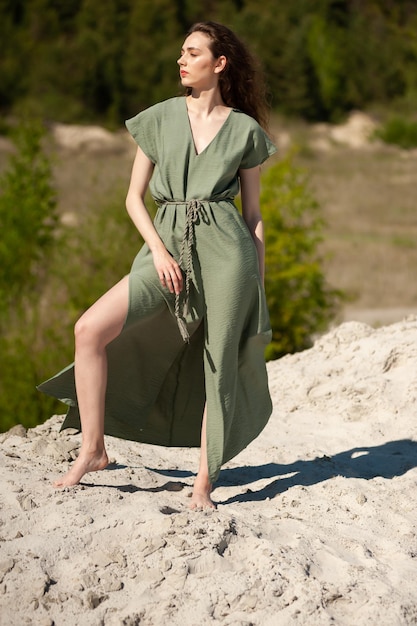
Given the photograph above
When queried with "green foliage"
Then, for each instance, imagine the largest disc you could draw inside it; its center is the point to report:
(300, 302)
(90, 60)
(96, 254)
(326, 46)
(330, 56)
(28, 221)
(27, 215)
(37, 339)
(149, 60)
(400, 132)
(29, 351)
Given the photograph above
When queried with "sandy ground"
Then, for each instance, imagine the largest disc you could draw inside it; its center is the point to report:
(315, 525)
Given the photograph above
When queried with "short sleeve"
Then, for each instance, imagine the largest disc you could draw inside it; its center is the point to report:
(143, 128)
(258, 148)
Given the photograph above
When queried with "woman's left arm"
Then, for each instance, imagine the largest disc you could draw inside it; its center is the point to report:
(250, 189)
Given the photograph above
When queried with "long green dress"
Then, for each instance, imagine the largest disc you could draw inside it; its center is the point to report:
(208, 344)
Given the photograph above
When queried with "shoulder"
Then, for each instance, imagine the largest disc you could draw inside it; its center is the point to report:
(247, 126)
(162, 108)
(157, 111)
(244, 120)
(257, 144)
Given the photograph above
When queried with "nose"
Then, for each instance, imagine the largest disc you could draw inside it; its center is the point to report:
(180, 61)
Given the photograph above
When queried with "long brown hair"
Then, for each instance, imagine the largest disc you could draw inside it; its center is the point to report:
(241, 82)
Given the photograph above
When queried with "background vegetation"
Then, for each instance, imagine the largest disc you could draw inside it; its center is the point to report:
(107, 59)
(300, 301)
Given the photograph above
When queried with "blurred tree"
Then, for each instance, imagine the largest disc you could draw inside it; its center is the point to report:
(151, 47)
(191, 11)
(105, 59)
(13, 82)
(326, 48)
(99, 47)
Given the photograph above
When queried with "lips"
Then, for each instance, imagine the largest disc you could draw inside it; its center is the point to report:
(183, 73)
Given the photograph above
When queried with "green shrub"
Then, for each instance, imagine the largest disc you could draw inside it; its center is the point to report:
(97, 253)
(28, 218)
(38, 341)
(28, 215)
(400, 132)
(300, 301)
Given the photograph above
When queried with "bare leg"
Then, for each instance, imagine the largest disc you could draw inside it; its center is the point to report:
(98, 326)
(202, 486)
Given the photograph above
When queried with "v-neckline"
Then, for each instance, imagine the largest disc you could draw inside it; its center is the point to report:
(197, 154)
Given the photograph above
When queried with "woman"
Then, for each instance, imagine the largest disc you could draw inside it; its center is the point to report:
(173, 354)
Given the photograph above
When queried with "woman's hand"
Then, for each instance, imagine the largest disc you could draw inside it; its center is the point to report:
(169, 271)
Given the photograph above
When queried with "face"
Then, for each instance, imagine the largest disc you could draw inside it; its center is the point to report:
(198, 67)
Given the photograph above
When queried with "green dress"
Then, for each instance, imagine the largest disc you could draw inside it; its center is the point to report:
(174, 354)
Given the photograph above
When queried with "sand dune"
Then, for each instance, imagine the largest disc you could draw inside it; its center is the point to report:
(316, 519)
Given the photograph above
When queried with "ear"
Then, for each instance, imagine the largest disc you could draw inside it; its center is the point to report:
(220, 64)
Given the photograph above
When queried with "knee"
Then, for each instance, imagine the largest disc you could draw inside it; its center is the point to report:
(85, 333)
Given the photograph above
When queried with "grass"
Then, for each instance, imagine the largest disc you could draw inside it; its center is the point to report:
(402, 241)
(399, 131)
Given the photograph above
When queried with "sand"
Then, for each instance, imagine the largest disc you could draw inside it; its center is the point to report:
(315, 525)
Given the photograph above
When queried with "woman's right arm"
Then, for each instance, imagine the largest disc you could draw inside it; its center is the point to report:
(168, 269)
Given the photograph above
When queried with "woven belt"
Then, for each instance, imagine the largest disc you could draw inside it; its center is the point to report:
(192, 210)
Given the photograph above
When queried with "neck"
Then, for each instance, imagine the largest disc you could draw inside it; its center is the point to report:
(204, 101)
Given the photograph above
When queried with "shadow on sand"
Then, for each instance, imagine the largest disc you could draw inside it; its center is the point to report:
(386, 460)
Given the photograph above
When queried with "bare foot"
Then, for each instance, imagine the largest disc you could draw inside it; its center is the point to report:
(86, 462)
(200, 498)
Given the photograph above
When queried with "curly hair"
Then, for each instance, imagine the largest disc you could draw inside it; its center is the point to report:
(241, 82)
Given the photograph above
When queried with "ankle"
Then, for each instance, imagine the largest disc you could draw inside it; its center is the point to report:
(93, 449)
(202, 482)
